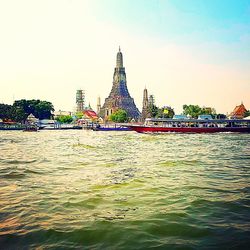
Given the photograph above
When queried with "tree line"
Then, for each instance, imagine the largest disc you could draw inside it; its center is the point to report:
(167, 112)
(21, 109)
(195, 110)
(163, 112)
(190, 110)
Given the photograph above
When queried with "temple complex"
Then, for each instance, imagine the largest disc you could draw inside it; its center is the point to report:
(119, 97)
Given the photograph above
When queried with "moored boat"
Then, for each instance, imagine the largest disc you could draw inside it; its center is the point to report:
(114, 127)
(160, 125)
(30, 128)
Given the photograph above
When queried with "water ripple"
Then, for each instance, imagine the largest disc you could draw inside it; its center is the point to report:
(123, 190)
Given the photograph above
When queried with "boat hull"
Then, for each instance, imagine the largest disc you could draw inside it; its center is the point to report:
(150, 129)
(112, 129)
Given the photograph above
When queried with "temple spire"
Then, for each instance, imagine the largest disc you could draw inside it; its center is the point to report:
(119, 59)
(119, 97)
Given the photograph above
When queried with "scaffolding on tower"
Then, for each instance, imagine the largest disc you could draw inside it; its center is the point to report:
(80, 100)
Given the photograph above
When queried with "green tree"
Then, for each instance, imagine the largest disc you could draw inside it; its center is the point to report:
(5, 111)
(13, 113)
(208, 111)
(165, 112)
(247, 113)
(79, 115)
(18, 114)
(20, 110)
(43, 109)
(40, 109)
(153, 110)
(119, 116)
(193, 110)
(64, 119)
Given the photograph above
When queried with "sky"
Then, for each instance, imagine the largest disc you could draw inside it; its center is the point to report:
(182, 51)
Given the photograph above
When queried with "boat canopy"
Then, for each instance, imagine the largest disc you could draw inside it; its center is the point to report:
(205, 117)
(180, 117)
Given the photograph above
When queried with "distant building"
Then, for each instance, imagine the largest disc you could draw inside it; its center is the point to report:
(60, 113)
(80, 100)
(90, 114)
(238, 112)
(119, 97)
(32, 119)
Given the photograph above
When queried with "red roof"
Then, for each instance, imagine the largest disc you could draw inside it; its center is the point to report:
(238, 111)
(90, 114)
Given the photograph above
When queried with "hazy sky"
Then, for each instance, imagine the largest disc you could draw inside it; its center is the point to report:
(183, 51)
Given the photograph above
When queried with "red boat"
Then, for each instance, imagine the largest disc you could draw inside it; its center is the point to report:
(159, 125)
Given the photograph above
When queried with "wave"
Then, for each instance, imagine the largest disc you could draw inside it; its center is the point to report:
(16, 162)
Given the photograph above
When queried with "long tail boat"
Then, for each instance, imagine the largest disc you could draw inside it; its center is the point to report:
(160, 125)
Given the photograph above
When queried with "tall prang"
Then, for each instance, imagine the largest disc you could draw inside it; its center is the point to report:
(145, 106)
(119, 97)
(98, 105)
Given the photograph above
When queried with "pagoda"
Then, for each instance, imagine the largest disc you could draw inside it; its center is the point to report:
(119, 97)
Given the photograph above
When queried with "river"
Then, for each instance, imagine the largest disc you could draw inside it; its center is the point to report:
(123, 190)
